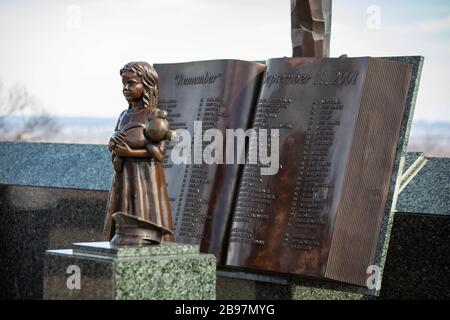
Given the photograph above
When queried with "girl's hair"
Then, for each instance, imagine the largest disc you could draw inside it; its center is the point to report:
(149, 78)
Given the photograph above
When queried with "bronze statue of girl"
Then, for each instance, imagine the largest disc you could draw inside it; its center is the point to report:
(138, 210)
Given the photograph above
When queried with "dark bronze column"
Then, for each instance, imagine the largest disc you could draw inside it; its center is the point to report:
(310, 28)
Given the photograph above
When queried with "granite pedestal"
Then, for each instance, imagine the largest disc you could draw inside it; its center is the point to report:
(418, 261)
(232, 285)
(97, 270)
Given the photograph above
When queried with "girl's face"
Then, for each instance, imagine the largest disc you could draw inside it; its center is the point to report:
(133, 89)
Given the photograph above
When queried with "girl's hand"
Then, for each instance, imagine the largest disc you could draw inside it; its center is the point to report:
(118, 137)
(123, 150)
(111, 145)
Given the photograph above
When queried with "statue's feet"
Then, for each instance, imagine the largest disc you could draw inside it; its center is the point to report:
(130, 230)
(127, 240)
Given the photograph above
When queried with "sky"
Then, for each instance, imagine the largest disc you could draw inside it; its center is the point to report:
(68, 53)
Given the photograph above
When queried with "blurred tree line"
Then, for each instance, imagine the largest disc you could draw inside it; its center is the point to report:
(21, 117)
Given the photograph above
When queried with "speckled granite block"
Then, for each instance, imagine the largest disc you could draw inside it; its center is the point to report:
(414, 162)
(418, 260)
(236, 285)
(250, 287)
(167, 271)
(410, 158)
(35, 219)
(56, 165)
(429, 191)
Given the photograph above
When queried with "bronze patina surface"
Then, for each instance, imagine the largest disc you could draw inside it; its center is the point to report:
(320, 216)
(222, 95)
(311, 28)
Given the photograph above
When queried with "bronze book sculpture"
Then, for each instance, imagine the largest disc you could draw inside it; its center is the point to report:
(138, 210)
(321, 214)
(329, 113)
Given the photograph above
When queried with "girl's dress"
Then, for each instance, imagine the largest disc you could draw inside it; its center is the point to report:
(139, 186)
